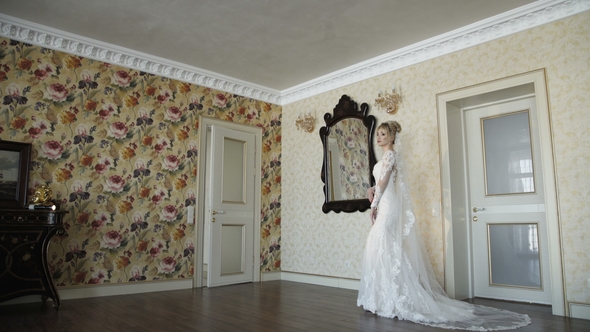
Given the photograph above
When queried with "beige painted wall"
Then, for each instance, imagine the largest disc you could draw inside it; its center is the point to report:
(332, 244)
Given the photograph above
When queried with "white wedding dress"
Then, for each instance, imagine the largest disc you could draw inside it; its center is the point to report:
(397, 279)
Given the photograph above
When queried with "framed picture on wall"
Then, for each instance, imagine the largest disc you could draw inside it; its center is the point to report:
(15, 159)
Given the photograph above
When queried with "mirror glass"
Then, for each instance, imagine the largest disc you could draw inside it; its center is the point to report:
(348, 161)
(348, 157)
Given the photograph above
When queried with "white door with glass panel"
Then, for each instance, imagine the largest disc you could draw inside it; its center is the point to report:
(507, 212)
(231, 207)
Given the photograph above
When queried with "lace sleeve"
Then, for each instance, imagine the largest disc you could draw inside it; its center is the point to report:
(387, 168)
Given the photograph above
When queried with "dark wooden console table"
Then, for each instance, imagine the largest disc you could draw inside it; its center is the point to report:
(24, 240)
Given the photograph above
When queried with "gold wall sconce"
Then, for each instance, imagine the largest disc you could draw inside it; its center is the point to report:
(389, 101)
(307, 122)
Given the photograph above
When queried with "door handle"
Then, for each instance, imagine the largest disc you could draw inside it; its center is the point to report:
(217, 212)
(475, 209)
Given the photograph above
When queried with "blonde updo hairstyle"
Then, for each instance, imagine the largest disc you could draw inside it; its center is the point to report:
(391, 128)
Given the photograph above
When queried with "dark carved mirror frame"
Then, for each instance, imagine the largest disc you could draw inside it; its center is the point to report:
(346, 109)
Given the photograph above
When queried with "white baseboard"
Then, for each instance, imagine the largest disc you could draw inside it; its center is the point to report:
(109, 290)
(579, 310)
(321, 280)
(270, 276)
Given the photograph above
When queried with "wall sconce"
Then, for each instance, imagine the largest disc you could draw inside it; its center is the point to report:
(390, 101)
(306, 123)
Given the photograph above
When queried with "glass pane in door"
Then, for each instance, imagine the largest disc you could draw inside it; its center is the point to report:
(508, 154)
(232, 239)
(514, 255)
(233, 171)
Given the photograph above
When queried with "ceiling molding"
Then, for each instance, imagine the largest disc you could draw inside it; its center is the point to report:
(520, 19)
(47, 37)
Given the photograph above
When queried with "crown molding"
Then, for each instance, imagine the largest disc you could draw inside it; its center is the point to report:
(47, 37)
(519, 19)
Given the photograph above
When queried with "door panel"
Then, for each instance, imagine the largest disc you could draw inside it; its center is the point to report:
(233, 240)
(508, 222)
(231, 205)
(520, 266)
(508, 154)
(233, 173)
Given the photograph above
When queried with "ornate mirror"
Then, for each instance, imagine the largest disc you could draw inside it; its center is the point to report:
(348, 157)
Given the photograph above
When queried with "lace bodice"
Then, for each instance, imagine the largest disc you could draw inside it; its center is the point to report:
(385, 174)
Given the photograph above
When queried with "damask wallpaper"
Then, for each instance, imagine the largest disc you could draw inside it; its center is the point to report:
(331, 244)
(119, 149)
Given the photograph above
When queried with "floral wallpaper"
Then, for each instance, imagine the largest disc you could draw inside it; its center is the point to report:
(353, 163)
(118, 148)
(332, 244)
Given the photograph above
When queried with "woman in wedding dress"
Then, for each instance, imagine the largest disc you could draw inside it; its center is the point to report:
(397, 279)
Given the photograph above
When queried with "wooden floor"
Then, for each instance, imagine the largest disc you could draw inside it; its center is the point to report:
(267, 306)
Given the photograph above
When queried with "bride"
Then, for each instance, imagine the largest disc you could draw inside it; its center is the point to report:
(397, 279)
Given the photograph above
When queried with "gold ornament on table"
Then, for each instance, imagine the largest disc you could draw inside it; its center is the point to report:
(42, 199)
(389, 101)
(306, 123)
(42, 195)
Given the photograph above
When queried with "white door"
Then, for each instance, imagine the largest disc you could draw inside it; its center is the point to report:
(507, 211)
(231, 207)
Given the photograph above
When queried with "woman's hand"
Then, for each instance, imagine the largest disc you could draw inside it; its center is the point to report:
(371, 194)
(373, 215)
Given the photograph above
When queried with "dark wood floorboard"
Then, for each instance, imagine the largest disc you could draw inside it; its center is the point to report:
(268, 306)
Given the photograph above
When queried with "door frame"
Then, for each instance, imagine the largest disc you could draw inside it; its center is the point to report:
(458, 277)
(205, 122)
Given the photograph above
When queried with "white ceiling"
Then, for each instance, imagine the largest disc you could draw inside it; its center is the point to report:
(271, 45)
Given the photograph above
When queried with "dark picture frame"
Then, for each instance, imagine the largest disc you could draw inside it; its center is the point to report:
(15, 158)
